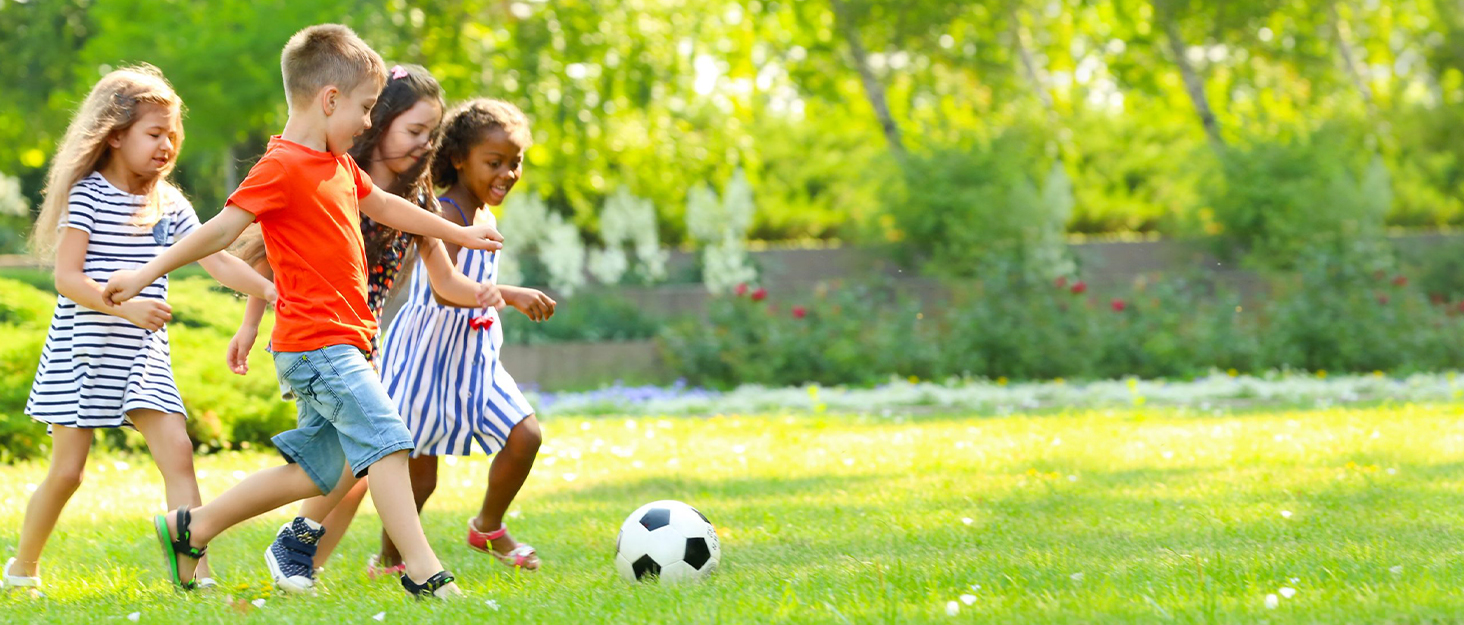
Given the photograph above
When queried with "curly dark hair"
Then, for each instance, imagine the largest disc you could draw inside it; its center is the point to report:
(468, 124)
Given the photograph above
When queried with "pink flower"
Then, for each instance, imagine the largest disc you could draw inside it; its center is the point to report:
(1382, 299)
(1400, 281)
(1118, 305)
(799, 312)
(759, 295)
(1061, 282)
(1079, 287)
(741, 289)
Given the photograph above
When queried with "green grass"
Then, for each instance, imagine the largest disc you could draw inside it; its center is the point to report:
(1107, 516)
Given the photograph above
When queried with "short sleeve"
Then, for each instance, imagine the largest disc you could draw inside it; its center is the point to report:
(80, 210)
(263, 190)
(361, 178)
(185, 220)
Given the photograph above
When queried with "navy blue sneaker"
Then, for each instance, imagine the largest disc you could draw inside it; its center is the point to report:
(292, 554)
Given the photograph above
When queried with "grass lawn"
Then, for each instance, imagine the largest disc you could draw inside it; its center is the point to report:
(1104, 516)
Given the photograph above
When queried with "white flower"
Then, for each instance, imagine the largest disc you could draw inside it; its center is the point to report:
(952, 608)
(1397, 570)
(514, 514)
(1077, 577)
(1272, 601)
(968, 599)
(380, 616)
(570, 477)
(134, 616)
(1285, 514)
(258, 603)
(1287, 591)
(492, 604)
(967, 520)
(121, 466)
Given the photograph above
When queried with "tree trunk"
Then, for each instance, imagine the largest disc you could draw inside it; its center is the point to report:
(1344, 47)
(1029, 65)
(849, 27)
(1193, 84)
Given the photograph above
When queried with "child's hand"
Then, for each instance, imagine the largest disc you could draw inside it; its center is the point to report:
(531, 302)
(148, 314)
(271, 295)
(480, 237)
(489, 296)
(239, 346)
(122, 286)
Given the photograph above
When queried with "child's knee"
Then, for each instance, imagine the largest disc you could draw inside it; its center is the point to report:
(66, 478)
(526, 437)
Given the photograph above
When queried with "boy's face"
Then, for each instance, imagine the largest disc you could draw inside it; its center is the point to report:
(149, 146)
(347, 115)
(492, 167)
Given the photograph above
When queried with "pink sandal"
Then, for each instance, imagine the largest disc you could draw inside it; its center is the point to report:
(375, 571)
(522, 556)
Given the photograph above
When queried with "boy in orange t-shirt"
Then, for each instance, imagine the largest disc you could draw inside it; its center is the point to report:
(307, 196)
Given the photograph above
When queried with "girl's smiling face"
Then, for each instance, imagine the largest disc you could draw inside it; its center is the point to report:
(148, 147)
(492, 167)
(409, 138)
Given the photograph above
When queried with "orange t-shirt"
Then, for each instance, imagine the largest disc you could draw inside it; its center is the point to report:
(307, 204)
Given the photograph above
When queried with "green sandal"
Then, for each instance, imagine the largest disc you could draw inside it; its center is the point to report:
(174, 546)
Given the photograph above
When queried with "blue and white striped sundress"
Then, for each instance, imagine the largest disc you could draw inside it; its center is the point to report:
(445, 376)
(96, 367)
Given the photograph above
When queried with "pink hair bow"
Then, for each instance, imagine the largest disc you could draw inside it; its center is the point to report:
(398, 72)
(480, 323)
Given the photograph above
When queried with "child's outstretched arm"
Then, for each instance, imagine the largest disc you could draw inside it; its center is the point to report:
(531, 302)
(72, 282)
(238, 355)
(236, 274)
(395, 212)
(451, 288)
(211, 237)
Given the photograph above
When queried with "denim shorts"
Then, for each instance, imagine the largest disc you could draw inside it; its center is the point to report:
(345, 415)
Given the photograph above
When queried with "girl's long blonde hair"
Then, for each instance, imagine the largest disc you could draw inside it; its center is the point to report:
(113, 106)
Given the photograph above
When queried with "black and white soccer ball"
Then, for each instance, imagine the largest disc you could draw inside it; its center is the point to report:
(669, 541)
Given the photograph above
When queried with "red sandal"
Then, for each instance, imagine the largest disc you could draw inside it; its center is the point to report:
(522, 556)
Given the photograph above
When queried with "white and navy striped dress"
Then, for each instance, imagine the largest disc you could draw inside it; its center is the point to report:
(445, 376)
(96, 367)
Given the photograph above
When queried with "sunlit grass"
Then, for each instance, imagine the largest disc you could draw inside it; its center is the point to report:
(1118, 516)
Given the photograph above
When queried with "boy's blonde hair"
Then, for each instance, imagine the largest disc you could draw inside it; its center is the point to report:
(114, 105)
(328, 55)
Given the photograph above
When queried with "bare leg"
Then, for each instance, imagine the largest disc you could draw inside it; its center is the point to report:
(511, 466)
(391, 492)
(172, 450)
(423, 471)
(257, 494)
(339, 520)
(69, 447)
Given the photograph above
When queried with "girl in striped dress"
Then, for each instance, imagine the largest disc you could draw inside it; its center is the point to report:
(441, 364)
(109, 206)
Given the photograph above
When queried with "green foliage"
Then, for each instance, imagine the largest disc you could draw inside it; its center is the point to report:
(1279, 202)
(590, 316)
(1333, 315)
(963, 212)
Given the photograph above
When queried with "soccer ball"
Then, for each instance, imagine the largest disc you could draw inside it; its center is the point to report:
(669, 541)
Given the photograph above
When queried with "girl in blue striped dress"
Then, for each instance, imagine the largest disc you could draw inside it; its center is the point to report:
(441, 364)
(109, 206)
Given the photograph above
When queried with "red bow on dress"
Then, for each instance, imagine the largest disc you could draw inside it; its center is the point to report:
(480, 323)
